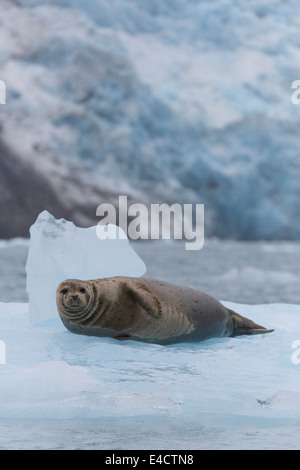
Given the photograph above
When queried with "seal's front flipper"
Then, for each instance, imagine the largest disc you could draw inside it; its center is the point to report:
(140, 294)
(244, 326)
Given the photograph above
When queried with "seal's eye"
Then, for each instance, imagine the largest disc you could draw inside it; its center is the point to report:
(82, 290)
(64, 291)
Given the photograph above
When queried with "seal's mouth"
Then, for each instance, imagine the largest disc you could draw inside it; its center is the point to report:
(73, 305)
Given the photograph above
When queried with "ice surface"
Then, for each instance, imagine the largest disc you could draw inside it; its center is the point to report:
(59, 389)
(59, 250)
(51, 373)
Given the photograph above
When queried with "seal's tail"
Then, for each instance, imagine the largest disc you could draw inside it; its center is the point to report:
(244, 326)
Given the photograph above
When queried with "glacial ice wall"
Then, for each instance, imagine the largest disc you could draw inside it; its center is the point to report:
(165, 101)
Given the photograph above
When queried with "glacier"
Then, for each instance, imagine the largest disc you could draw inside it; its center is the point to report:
(163, 101)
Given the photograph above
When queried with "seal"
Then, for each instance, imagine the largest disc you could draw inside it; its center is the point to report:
(147, 310)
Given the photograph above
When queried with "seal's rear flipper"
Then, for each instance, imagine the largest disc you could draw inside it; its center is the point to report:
(244, 326)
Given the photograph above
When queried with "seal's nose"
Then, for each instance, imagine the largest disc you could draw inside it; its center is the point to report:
(75, 297)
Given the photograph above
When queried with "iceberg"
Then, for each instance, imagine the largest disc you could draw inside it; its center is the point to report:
(58, 389)
(59, 250)
(227, 393)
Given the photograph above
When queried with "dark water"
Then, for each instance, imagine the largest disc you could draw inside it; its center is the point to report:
(243, 272)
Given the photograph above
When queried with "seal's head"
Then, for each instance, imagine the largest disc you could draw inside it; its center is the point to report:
(74, 298)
